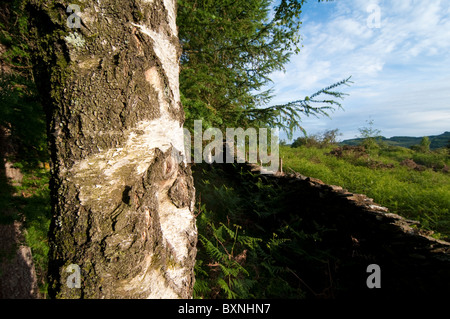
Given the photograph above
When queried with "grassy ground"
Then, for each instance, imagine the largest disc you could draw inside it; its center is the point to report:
(419, 192)
(35, 207)
(29, 203)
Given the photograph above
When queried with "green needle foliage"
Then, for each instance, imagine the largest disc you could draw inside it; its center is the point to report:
(230, 49)
(288, 116)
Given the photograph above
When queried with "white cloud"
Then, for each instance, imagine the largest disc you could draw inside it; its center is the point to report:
(401, 70)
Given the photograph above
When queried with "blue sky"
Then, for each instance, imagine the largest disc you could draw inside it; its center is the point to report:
(400, 66)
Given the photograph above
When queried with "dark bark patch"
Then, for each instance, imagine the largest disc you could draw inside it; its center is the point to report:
(126, 198)
(181, 192)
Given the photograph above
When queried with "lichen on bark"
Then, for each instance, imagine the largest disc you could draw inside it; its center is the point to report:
(121, 199)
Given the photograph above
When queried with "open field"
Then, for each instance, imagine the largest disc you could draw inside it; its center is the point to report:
(412, 184)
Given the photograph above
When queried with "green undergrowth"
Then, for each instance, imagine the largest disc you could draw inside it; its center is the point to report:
(36, 210)
(251, 244)
(420, 190)
(29, 203)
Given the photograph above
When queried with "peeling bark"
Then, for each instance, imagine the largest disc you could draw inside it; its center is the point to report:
(122, 200)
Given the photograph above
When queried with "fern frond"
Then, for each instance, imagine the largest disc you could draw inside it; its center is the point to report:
(227, 289)
(201, 289)
(230, 232)
(212, 250)
(248, 241)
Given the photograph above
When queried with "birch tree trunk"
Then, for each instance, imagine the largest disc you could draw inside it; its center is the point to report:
(122, 199)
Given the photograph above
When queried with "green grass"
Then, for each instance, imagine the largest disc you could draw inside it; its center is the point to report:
(29, 203)
(420, 195)
(35, 208)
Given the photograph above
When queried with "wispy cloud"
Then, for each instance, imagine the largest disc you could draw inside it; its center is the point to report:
(401, 70)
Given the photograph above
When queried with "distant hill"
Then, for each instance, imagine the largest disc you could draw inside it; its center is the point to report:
(437, 141)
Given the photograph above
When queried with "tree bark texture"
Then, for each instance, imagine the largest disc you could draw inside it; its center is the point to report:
(122, 196)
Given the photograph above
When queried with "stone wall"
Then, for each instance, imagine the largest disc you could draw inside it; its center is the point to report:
(363, 233)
